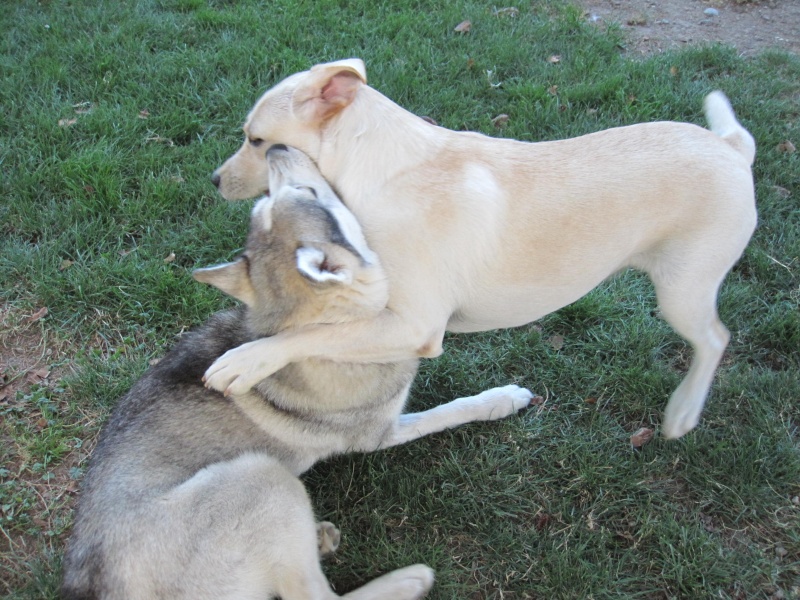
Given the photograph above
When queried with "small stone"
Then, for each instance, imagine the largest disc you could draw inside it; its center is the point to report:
(637, 20)
(711, 12)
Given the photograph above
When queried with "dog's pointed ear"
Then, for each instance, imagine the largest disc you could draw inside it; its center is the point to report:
(233, 278)
(328, 88)
(326, 263)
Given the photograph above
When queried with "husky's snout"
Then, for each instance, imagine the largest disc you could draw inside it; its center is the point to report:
(277, 148)
(289, 167)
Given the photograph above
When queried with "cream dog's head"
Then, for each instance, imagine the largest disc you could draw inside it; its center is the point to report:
(295, 113)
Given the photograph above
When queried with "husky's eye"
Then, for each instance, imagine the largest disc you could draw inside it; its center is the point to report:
(246, 259)
(311, 190)
(256, 142)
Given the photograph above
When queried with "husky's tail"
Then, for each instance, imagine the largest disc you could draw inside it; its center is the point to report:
(722, 121)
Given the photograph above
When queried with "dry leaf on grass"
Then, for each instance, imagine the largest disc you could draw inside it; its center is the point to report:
(556, 341)
(552, 90)
(38, 375)
(144, 114)
(463, 27)
(541, 521)
(554, 59)
(500, 120)
(641, 437)
(786, 146)
(39, 314)
(65, 264)
(67, 122)
(170, 258)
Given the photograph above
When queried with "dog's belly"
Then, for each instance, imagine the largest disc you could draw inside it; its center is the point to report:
(513, 307)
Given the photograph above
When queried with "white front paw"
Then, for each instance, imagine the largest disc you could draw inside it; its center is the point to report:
(239, 369)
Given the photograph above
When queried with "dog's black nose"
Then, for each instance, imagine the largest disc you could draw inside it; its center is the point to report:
(215, 179)
(277, 148)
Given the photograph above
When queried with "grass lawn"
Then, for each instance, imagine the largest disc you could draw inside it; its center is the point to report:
(113, 116)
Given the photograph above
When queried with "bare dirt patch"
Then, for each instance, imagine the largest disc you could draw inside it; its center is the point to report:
(653, 26)
(39, 451)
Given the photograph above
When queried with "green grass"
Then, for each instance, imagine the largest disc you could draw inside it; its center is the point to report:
(553, 503)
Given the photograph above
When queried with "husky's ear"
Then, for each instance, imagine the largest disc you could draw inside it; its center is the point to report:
(326, 263)
(328, 88)
(233, 278)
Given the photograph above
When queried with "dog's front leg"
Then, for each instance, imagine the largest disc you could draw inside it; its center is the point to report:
(385, 338)
(493, 404)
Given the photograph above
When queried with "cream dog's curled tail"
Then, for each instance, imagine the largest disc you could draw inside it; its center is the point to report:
(722, 121)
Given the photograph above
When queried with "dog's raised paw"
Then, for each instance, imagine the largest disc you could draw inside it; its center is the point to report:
(328, 537)
(241, 368)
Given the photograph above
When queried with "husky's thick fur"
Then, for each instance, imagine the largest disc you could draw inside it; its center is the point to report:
(190, 495)
(478, 233)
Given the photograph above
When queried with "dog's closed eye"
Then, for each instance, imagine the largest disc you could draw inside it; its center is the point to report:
(256, 142)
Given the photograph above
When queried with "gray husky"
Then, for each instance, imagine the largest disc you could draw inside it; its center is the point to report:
(191, 495)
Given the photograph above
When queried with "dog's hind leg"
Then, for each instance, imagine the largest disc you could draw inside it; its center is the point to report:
(687, 297)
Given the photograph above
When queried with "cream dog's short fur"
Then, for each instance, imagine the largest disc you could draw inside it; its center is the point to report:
(477, 233)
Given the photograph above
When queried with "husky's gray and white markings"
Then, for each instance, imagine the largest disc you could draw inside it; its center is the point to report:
(191, 495)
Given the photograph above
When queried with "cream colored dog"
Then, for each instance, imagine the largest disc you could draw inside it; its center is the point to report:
(478, 233)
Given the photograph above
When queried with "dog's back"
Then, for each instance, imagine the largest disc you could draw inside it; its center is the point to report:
(169, 435)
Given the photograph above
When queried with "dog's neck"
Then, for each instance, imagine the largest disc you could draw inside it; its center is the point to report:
(364, 138)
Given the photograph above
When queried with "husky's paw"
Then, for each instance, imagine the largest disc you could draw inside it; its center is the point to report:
(239, 369)
(328, 537)
(409, 583)
(500, 402)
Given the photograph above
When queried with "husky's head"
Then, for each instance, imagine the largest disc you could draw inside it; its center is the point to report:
(306, 260)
